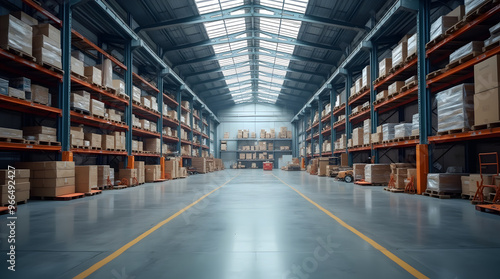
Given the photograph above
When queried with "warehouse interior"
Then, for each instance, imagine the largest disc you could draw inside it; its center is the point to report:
(249, 138)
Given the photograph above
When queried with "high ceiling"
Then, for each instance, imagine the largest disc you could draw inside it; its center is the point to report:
(269, 51)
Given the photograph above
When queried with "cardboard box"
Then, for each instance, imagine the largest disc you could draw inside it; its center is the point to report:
(108, 142)
(52, 192)
(171, 168)
(141, 171)
(153, 173)
(18, 176)
(85, 178)
(48, 57)
(94, 139)
(49, 31)
(42, 137)
(487, 74)
(119, 86)
(17, 93)
(442, 24)
(103, 175)
(399, 54)
(42, 41)
(146, 102)
(487, 107)
(412, 45)
(93, 74)
(466, 190)
(129, 174)
(52, 173)
(24, 18)
(40, 94)
(77, 67)
(97, 108)
(152, 145)
(377, 173)
(226, 135)
(16, 34)
(444, 182)
(382, 95)
(80, 102)
(52, 182)
(144, 124)
(11, 133)
(458, 12)
(395, 87)
(20, 83)
(365, 77)
(34, 130)
(323, 162)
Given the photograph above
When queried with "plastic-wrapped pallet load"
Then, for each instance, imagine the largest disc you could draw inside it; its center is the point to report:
(384, 66)
(403, 130)
(455, 107)
(388, 131)
(412, 45)
(365, 76)
(119, 86)
(107, 73)
(399, 53)
(358, 171)
(97, 108)
(136, 94)
(415, 129)
(102, 175)
(47, 50)
(94, 75)
(377, 173)
(471, 5)
(16, 34)
(80, 100)
(444, 182)
(442, 24)
(474, 46)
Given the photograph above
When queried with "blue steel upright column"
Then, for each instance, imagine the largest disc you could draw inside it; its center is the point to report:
(373, 96)
(160, 108)
(320, 126)
(65, 88)
(348, 126)
(179, 95)
(128, 91)
(333, 135)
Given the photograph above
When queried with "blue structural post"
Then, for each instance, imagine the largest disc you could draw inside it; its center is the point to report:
(190, 121)
(160, 108)
(312, 132)
(128, 91)
(209, 135)
(216, 139)
(179, 96)
(333, 135)
(65, 88)
(320, 127)
(348, 126)
(373, 96)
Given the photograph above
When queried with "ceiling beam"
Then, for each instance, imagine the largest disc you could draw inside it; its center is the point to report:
(251, 11)
(233, 38)
(250, 82)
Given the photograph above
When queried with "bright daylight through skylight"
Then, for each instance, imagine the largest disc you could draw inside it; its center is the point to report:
(235, 56)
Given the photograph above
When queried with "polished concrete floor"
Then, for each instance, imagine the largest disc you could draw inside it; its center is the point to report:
(255, 226)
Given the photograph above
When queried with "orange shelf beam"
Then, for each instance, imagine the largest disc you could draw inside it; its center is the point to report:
(185, 109)
(142, 83)
(411, 64)
(26, 106)
(326, 154)
(362, 95)
(96, 122)
(205, 147)
(471, 135)
(95, 151)
(357, 149)
(25, 67)
(142, 132)
(185, 127)
(25, 146)
(406, 143)
(204, 135)
(186, 142)
(169, 100)
(80, 38)
(145, 113)
(339, 151)
(137, 154)
(326, 132)
(172, 122)
(308, 139)
(94, 88)
(360, 116)
(196, 117)
(339, 110)
(326, 118)
(171, 139)
(339, 125)
(205, 123)
(400, 100)
(41, 10)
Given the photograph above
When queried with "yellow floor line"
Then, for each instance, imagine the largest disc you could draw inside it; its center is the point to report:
(377, 246)
(125, 247)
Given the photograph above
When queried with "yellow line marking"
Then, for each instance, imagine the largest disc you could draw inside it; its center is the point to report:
(125, 247)
(377, 246)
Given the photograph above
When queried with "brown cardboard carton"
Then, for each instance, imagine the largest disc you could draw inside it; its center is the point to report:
(85, 178)
(103, 175)
(47, 56)
(377, 173)
(95, 139)
(34, 130)
(17, 93)
(153, 172)
(25, 18)
(399, 54)
(458, 12)
(395, 87)
(129, 174)
(152, 145)
(49, 31)
(40, 94)
(141, 171)
(77, 67)
(77, 132)
(323, 162)
(487, 74)
(466, 190)
(475, 180)
(52, 182)
(42, 41)
(358, 171)
(42, 137)
(108, 142)
(94, 75)
(80, 102)
(97, 108)
(46, 166)
(11, 133)
(16, 34)
(487, 106)
(52, 192)
(171, 168)
(17, 175)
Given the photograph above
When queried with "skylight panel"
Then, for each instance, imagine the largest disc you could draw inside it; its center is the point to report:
(227, 4)
(207, 6)
(285, 48)
(221, 48)
(229, 72)
(268, 45)
(279, 72)
(281, 61)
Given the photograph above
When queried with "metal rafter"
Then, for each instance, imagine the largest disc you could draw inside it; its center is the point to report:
(255, 72)
(251, 11)
(251, 81)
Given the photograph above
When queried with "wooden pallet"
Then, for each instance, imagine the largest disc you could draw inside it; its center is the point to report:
(410, 58)
(379, 101)
(80, 146)
(441, 195)
(408, 86)
(435, 74)
(435, 41)
(401, 139)
(455, 27)
(20, 53)
(93, 193)
(49, 143)
(492, 46)
(467, 197)
(98, 116)
(51, 67)
(453, 131)
(95, 148)
(486, 126)
(61, 198)
(79, 110)
(30, 141)
(396, 67)
(379, 79)
(462, 60)
(136, 103)
(123, 96)
(16, 204)
(12, 140)
(364, 183)
(394, 190)
(119, 187)
(414, 137)
(84, 78)
(393, 95)
(480, 10)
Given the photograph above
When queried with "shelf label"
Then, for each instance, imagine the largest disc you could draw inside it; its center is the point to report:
(29, 146)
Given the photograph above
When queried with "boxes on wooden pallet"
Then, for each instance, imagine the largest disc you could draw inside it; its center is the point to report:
(130, 175)
(16, 34)
(388, 131)
(402, 130)
(376, 137)
(46, 50)
(21, 83)
(442, 24)
(16, 93)
(322, 163)
(466, 189)
(459, 12)
(415, 125)
(136, 94)
(382, 95)
(185, 104)
(172, 167)
(455, 108)
(471, 47)
(76, 133)
(97, 108)
(377, 173)
(25, 18)
(40, 133)
(21, 180)
(144, 124)
(395, 87)
(94, 139)
(444, 182)
(399, 54)
(108, 142)
(51, 178)
(40, 94)
(365, 76)
(77, 67)
(400, 176)
(384, 67)
(146, 102)
(359, 171)
(152, 145)
(85, 178)
(200, 164)
(49, 31)
(412, 45)
(107, 73)
(80, 102)
(119, 86)
(93, 75)
(357, 137)
(141, 171)
(119, 140)
(11, 133)
(102, 175)
(487, 93)
(153, 173)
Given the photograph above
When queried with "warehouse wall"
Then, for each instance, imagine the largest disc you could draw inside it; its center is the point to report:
(252, 117)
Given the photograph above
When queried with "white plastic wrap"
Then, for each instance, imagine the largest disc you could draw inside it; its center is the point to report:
(107, 73)
(399, 53)
(80, 102)
(49, 57)
(474, 46)
(42, 41)
(403, 130)
(144, 124)
(77, 67)
(455, 107)
(495, 29)
(367, 126)
(493, 39)
(382, 95)
(119, 86)
(341, 117)
(358, 85)
(146, 102)
(377, 173)
(16, 34)
(136, 94)
(97, 108)
(411, 79)
(471, 5)
(153, 127)
(384, 66)
(365, 76)
(415, 129)
(412, 45)
(395, 87)
(445, 182)
(388, 131)
(442, 24)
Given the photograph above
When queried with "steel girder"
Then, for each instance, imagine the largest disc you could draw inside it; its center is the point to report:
(251, 81)
(251, 12)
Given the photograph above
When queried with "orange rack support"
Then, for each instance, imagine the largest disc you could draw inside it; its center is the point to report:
(422, 167)
(162, 167)
(131, 162)
(67, 156)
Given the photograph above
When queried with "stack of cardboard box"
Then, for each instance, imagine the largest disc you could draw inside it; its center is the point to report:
(130, 175)
(108, 142)
(455, 107)
(223, 145)
(103, 172)
(487, 91)
(141, 171)
(16, 34)
(50, 179)
(40, 133)
(152, 145)
(377, 173)
(119, 140)
(94, 139)
(47, 45)
(97, 108)
(77, 66)
(41, 95)
(80, 100)
(367, 131)
(226, 135)
(85, 178)
(200, 164)
(19, 185)
(20, 87)
(77, 136)
(172, 167)
(93, 74)
(153, 173)
(357, 137)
